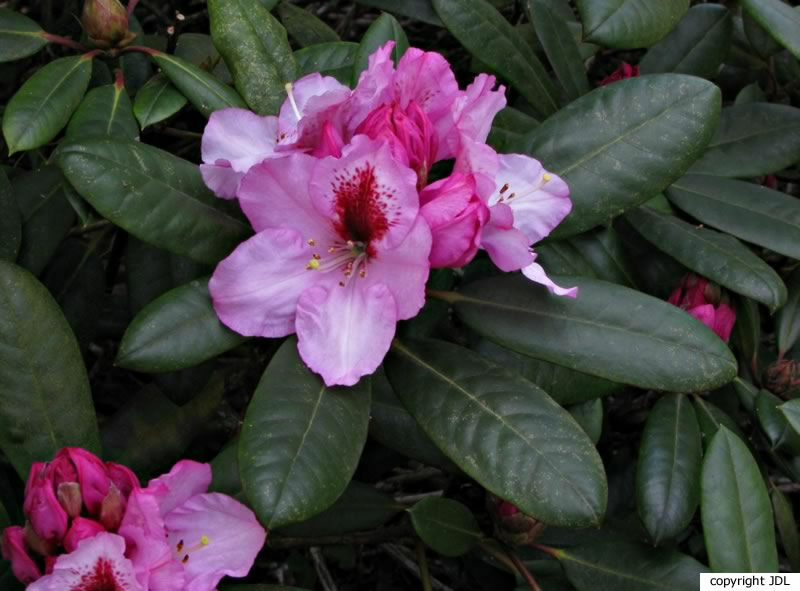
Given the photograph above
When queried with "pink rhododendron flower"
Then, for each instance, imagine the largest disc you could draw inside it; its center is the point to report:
(340, 255)
(16, 551)
(703, 300)
(181, 538)
(624, 71)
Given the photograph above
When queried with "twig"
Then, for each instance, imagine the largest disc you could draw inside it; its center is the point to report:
(789, 487)
(397, 553)
(365, 537)
(523, 570)
(65, 41)
(411, 499)
(323, 573)
(424, 573)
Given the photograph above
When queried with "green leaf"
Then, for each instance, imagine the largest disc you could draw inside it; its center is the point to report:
(779, 19)
(746, 210)
(787, 527)
(747, 330)
(105, 110)
(43, 105)
(225, 470)
(304, 27)
(46, 216)
(256, 50)
(697, 46)
(608, 331)
(445, 525)
(156, 101)
(711, 418)
(488, 36)
(384, 28)
(774, 423)
(300, 441)
(668, 470)
(788, 318)
(179, 329)
(502, 430)
(329, 59)
(719, 257)
(19, 36)
(763, 44)
(751, 93)
(198, 49)
(10, 221)
(360, 508)
(627, 24)
(752, 139)
(621, 144)
(45, 401)
(589, 416)
(154, 195)
(791, 410)
(203, 90)
(418, 9)
(560, 47)
(735, 507)
(615, 564)
(565, 386)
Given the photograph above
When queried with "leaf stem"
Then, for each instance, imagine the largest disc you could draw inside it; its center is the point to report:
(424, 573)
(523, 570)
(447, 296)
(66, 41)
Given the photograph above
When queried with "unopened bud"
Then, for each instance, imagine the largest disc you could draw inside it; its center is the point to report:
(69, 495)
(783, 377)
(106, 23)
(36, 542)
(112, 509)
(512, 525)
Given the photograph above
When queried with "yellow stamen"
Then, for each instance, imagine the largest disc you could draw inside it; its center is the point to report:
(312, 265)
(205, 540)
(546, 177)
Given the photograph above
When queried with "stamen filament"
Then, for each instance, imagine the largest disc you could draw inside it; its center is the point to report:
(292, 102)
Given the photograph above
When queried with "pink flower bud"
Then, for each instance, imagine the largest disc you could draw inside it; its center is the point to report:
(704, 300)
(92, 476)
(783, 377)
(511, 524)
(123, 478)
(81, 529)
(506, 509)
(106, 23)
(15, 551)
(36, 544)
(112, 509)
(624, 71)
(48, 518)
(69, 495)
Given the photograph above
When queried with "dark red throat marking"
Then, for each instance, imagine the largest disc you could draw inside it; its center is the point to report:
(361, 206)
(102, 578)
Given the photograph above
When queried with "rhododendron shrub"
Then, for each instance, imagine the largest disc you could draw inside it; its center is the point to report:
(515, 281)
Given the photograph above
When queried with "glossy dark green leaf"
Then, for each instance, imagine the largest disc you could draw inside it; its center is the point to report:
(256, 50)
(621, 144)
(502, 430)
(304, 27)
(360, 508)
(751, 93)
(589, 416)
(746, 210)
(19, 36)
(710, 418)
(779, 19)
(747, 330)
(787, 527)
(179, 329)
(198, 49)
(156, 101)
(627, 24)
(161, 429)
(203, 90)
(136, 67)
(774, 423)
(791, 410)
(746, 393)
(617, 564)
(46, 216)
(752, 139)
(329, 59)
(225, 470)
(445, 525)
(735, 507)
(761, 41)
(300, 441)
(105, 110)
(719, 257)
(152, 194)
(696, 46)
(418, 9)
(560, 47)
(788, 318)
(608, 331)
(43, 104)
(668, 469)
(10, 221)
(490, 37)
(384, 28)
(565, 386)
(45, 401)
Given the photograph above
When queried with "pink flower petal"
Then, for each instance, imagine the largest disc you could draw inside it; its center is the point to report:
(724, 320)
(704, 313)
(374, 86)
(345, 332)
(219, 535)
(81, 529)
(370, 197)
(145, 534)
(15, 550)
(426, 78)
(92, 476)
(186, 479)
(314, 97)
(221, 178)
(98, 563)
(473, 111)
(534, 272)
(255, 289)
(508, 248)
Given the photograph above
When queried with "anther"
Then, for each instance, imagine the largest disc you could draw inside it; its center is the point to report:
(341, 284)
(316, 257)
(546, 177)
(504, 189)
(311, 242)
(185, 559)
(312, 265)
(180, 546)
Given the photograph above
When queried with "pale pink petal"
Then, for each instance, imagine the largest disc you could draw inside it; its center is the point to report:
(219, 535)
(534, 272)
(145, 535)
(255, 289)
(313, 96)
(482, 162)
(345, 332)
(404, 270)
(170, 576)
(98, 563)
(508, 248)
(374, 86)
(370, 197)
(426, 78)
(186, 479)
(221, 178)
(540, 200)
(274, 194)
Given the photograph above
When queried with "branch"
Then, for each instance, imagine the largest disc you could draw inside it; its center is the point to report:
(365, 537)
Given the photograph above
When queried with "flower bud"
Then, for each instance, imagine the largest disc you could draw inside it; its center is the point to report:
(47, 517)
(81, 529)
(706, 302)
(625, 70)
(69, 495)
(783, 377)
(16, 552)
(37, 544)
(112, 509)
(106, 23)
(123, 478)
(92, 476)
(512, 525)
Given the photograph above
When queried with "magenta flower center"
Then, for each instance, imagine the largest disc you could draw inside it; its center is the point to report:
(103, 577)
(360, 210)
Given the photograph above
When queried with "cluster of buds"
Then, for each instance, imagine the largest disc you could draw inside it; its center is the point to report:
(510, 524)
(67, 500)
(106, 23)
(706, 302)
(782, 378)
